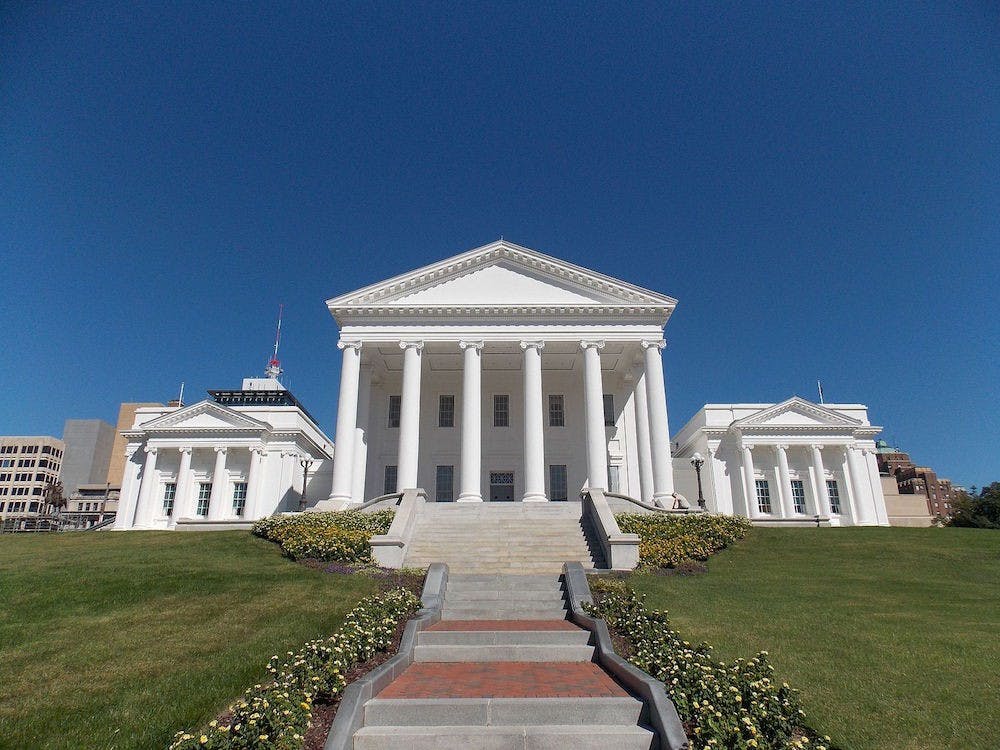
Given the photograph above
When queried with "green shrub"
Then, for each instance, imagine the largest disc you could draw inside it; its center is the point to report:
(343, 536)
(276, 715)
(733, 706)
(665, 541)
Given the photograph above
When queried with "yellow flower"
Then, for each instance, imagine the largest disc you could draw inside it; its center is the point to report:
(203, 739)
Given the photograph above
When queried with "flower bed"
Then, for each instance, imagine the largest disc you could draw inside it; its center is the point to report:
(343, 536)
(665, 541)
(276, 715)
(733, 706)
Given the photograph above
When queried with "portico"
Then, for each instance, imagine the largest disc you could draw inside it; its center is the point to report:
(502, 361)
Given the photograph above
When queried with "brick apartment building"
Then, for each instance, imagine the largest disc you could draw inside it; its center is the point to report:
(911, 479)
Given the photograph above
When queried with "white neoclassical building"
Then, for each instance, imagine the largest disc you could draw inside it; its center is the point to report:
(787, 462)
(222, 462)
(501, 375)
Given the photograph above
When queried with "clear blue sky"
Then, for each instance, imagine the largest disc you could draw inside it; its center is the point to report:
(818, 185)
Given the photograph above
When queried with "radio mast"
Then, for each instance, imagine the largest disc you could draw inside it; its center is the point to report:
(273, 369)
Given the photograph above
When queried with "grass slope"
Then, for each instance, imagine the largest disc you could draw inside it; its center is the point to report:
(117, 640)
(890, 634)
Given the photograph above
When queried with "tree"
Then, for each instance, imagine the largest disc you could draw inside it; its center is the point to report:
(980, 511)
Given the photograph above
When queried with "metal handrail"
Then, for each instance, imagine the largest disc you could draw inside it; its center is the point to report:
(656, 508)
(381, 498)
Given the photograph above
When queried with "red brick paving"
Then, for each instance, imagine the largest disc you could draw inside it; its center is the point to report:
(504, 679)
(467, 625)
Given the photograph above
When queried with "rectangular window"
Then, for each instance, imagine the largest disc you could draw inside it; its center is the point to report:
(557, 482)
(395, 407)
(169, 492)
(799, 496)
(501, 410)
(763, 496)
(389, 483)
(557, 410)
(33, 508)
(239, 498)
(834, 493)
(613, 479)
(204, 495)
(609, 410)
(446, 411)
(445, 484)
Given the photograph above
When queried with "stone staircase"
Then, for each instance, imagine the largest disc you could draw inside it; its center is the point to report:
(484, 681)
(506, 538)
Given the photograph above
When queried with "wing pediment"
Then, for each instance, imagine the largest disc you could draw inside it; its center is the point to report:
(205, 415)
(501, 275)
(796, 413)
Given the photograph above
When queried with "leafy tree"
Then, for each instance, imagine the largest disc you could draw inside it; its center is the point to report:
(980, 511)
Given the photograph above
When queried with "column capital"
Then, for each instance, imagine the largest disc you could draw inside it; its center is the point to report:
(477, 345)
(749, 446)
(221, 448)
(151, 450)
(185, 449)
(816, 446)
(418, 345)
(539, 345)
(595, 343)
(781, 447)
(355, 345)
(660, 344)
(259, 449)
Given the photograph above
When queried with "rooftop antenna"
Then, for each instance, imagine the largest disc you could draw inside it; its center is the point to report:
(273, 369)
(180, 396)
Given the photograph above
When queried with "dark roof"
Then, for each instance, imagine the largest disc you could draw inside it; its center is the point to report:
(259, 398)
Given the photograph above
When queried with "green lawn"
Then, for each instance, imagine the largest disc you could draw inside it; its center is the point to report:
(892, 635)
(117, 640)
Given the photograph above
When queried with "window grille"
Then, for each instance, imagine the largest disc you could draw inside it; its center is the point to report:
(389, 481)
(395, 408)
(204, 495)
(501, 410)
(609, 410)
(239, 498)
(834, 492)
(169, 493)
(557, 411)
(763, 496)
(799, 496)
(445, 482)
(557, 482)
(446, 411)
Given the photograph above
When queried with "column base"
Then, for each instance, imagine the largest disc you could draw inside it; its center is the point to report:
(534, 498)
(470, 497)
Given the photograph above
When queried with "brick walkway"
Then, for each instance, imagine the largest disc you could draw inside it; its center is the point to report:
(494, 625)
(506, 679)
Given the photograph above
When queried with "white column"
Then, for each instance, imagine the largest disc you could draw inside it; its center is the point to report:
(144, 507)
(128, 497)
(361, 436)
(182, 494)
(409, 417)
(347, 414)
(861, 495)
(645, 455)
(253, 484)
(778, 501)
(593, 393)
(848, 495)
(659, 431)
(471, 471)
(822, 496)
(750, 482)
(785, 478)
(217, 504)
(534, 423)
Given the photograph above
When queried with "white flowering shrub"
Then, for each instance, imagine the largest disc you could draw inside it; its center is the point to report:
(275, 715)
(665, 541)
(342, 536)
(733, 706)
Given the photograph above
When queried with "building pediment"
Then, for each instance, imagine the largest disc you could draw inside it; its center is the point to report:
(204, 416)
(796, 414)
(501, 278)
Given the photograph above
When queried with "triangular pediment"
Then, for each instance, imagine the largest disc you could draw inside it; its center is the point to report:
(205, 415)
(796, 413)
(505, 275)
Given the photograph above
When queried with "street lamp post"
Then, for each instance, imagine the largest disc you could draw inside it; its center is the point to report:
(697, 462)
(305, 463)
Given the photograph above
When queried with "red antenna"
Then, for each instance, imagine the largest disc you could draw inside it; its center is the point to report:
(273, 369)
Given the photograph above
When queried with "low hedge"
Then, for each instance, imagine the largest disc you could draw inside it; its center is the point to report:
(342, 536)
(734, 706)
(666, 541)
(276, 715)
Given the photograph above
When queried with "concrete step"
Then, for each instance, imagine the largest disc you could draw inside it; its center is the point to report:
(482, 712)
(460, 582)
(524, 652)
(503, 637)
(551, 737)
(506, 613)
(534, 595)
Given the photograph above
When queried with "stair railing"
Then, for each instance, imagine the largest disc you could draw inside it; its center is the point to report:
(681, 503)
(621, 551)
(389, 549)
